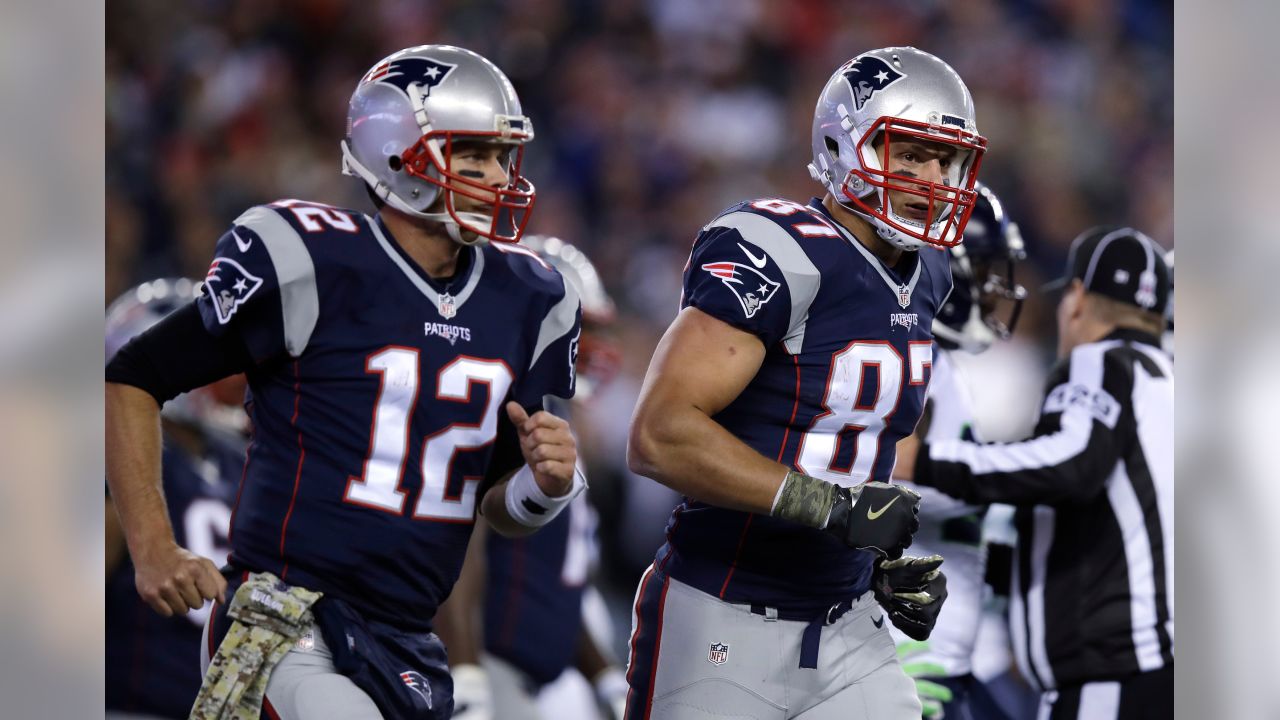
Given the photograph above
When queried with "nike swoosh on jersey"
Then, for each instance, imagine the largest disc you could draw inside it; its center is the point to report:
(878, 622)
(759, 262)
(242, 244)
(873, 515)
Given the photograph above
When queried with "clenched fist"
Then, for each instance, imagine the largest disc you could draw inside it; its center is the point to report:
(548, 448)
(173, 580)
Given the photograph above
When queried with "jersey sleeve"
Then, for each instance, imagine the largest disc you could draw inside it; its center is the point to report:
(747, 271)
(1077, 441)
(552, 368)
(261, 286)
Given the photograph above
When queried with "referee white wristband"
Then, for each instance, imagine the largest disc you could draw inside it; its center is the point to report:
(529, 506)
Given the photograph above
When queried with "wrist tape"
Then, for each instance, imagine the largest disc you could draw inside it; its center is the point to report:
(528, 505)
(804, 499)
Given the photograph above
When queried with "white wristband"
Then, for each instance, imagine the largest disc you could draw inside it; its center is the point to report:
(529, 506)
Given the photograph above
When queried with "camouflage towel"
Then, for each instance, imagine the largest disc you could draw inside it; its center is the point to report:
(269, 616)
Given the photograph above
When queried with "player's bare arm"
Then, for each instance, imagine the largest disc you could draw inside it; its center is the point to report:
(169, 578)
(550, 454)
(700, 366)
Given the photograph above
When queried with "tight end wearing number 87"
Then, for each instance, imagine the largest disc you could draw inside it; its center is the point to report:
(778, 419)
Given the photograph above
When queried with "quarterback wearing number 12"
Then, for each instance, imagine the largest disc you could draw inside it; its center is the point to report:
(397, 365)
(774, 402)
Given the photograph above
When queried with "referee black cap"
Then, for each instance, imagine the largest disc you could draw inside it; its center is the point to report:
(1120, 263)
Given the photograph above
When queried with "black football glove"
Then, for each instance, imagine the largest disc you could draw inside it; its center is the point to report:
(876, 516)
(911, 590)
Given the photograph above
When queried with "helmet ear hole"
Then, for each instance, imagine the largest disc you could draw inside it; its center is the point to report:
(395, 163)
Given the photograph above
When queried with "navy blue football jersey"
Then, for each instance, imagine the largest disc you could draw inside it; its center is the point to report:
(849, 353)
(376, 397)
(152, 666)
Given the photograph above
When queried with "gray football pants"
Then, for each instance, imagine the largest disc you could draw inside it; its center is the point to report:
(713, 659)
(306, 686)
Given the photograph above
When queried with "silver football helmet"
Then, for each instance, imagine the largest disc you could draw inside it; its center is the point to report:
(210, 408)
(403, 121)
(897, 94)
(598, 355)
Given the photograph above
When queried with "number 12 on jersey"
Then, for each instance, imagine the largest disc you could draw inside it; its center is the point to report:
(820, 450)
(378, 487)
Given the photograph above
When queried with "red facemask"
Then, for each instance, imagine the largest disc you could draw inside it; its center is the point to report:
(509, 206)
(954, 202)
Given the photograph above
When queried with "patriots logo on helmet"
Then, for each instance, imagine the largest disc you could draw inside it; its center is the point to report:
(229, 285)
(748, 284)
(868, 74)
(401, 73)
(418, 684)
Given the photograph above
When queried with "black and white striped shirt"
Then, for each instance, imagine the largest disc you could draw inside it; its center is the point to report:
(1092, 594)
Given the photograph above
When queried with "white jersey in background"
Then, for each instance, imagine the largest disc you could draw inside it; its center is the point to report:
(952, 529)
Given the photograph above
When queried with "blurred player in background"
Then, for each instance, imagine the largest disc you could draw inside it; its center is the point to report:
(397, 367)
(533, 624)
(150, 660)
(984, 307)
(774, 404)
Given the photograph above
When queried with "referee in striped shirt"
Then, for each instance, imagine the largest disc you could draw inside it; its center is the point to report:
(1092, 596)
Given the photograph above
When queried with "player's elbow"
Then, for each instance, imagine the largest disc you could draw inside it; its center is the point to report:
(649, 444)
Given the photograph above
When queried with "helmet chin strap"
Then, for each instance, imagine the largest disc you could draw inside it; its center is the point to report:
(352, 166)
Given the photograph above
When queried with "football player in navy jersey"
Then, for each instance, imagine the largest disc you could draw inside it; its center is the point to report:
(774, 402)
(396, 365)
(150, 668)
(984, 307)
(531, 624)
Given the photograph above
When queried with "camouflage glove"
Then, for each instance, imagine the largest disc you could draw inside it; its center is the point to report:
(269, 618)
(873, 516)
(932, 695)
(912, 591)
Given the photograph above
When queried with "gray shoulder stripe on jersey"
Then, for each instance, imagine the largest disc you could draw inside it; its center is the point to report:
(557, 322)
(801, 275)
(295, 274)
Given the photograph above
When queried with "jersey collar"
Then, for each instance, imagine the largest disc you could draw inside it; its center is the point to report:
(425, 284)
(900, 289)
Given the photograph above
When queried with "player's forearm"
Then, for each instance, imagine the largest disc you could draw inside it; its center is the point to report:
(494, 508)
(681, 447)
(133, 467)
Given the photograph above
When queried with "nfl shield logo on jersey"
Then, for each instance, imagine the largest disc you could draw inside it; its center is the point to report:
(447, 306)
(417, 683)
(904, 296)
(718, 654)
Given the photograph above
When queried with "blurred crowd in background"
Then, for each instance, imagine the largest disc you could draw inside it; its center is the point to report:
(650, 116)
